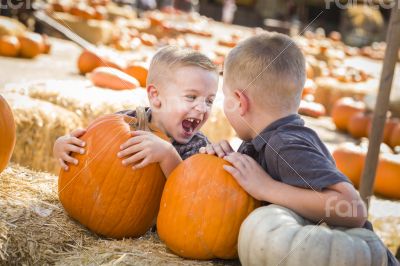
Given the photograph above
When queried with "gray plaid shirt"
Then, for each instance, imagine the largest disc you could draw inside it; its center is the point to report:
(184, 150)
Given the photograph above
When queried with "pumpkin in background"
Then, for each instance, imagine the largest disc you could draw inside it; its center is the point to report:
(311, 109)
(108, 198)
(390, 124)
(387, 181)
(7, 133)
(358, 124)
(108, 77)
(139, 71)
(89, 60)
(31, 44)
(350, 160)
(202, 208)
(274, 235)
(9, 46)
(395, 137)
(343, 109)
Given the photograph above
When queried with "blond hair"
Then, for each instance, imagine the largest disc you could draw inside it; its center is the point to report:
(270, 67)
(172, 57)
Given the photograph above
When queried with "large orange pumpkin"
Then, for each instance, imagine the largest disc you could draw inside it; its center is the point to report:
(387, 182)
(138, 71)
(202, 208)
(111, 199)
(358, 125)
(343, 109)
(7, 133)
(389, 126)
(9, 46)
(31, 44)
(395, 137)
(89, 60)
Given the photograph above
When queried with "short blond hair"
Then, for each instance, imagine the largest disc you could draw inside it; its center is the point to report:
(270, 67)
(172, 57)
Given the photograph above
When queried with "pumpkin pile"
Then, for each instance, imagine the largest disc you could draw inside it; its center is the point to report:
(351, 115)
(108, 198)
(7, 133)
(350, 160)
(85, 10)
(202, 208)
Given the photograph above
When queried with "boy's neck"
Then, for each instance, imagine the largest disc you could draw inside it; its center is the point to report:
(260, 122)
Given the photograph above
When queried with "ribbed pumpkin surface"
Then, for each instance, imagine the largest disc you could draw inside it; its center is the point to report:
(202, 208)
(7, 133)
(110, 199)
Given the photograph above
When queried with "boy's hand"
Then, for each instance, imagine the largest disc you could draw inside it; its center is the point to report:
(64, 145)
(249, 174)
(220, 149)
(144, 146)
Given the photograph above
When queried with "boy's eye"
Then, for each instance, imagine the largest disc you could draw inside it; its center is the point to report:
(210, 101)
(190, 97)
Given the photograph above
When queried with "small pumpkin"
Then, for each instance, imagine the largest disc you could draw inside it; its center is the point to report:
(139, 71)
(7, 133)
(311, 109)
(108, 198)
(9, 46)
(108, 77)
(89, 60)
(202, 208)
(343, 109)
(389, 126)
(148, 39)
(387, 182)
(358, 124)
(274, 235)
(31, 44)
(350, 160)
(395, 137)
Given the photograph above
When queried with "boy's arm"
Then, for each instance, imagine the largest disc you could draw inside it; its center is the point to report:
(170, 161)
(337, 204)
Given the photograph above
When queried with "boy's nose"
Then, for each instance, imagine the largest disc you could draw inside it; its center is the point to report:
(201, 107)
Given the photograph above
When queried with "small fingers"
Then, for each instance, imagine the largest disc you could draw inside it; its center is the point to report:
(63, 165)
(73, 148)
(66, 158)
(233, 171)
(78, 132)
(218, 150)
(226, 147)
(131, 141)
(210, 149)
(76, 141)
(134, 158)
(202, 150)
(142, 164)
(130, 150)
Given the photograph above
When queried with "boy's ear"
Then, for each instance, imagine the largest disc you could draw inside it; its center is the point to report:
(153, 95)
(243, 102)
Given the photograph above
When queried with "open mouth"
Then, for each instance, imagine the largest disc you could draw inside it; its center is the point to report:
(190, 124)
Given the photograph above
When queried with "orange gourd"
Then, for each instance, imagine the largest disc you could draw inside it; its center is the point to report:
(111, 199)
(108, 77)
(311, 109)
(202, 208)
(387, 181)
(89, 60)
(138, 71)
(389, 126)
(9, 46)
(358, 125)
(31, 44)
(7, 133)
(343, 109)
(395, 137)
(350, 161)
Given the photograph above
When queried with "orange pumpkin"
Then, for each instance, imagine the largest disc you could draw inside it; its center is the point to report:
(390, 124)
(7, 133)
(89, 60)
(358, 125)
(148, 39)
(138, 71)
(111, 199)
(395, 137)
(108, 77)
(387, 181)
(9, 46)
(31, 44)
(343, 109)
(350, 161)
(202, 208)
(311, 109)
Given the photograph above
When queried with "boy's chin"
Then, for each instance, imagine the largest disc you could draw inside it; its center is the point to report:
(184, 139)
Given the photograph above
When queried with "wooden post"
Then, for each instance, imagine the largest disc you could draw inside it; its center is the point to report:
(382, 103)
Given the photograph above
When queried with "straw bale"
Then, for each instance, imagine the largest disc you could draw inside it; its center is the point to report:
(90, 102)
(38, 125)
(329, 90)
(34, 229)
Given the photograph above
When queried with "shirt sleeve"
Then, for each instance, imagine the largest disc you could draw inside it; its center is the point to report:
(303, 165)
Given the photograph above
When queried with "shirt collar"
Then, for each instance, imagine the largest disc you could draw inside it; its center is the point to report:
(261, 139)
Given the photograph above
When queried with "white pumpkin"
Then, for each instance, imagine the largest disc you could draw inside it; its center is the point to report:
(274, 235)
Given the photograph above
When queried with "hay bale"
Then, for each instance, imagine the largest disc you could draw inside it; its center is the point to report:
(90, 102)
(329, 90)
(34, 229)
(38, 125)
